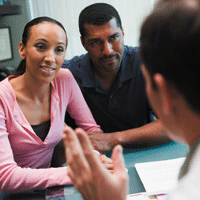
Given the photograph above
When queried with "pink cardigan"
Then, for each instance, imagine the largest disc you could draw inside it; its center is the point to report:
(24, 158)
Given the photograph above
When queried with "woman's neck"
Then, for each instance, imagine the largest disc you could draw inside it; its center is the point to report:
(31, 89)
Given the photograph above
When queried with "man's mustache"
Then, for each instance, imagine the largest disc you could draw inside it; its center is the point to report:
(110, 56)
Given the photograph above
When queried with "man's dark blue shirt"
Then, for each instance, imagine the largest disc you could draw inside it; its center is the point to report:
(125, 106)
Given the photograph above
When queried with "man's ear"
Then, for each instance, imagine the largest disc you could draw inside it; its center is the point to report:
(168, 94)
(21, 50)
(82, 41)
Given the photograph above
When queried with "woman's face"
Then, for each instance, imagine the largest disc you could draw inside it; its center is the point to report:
(44, 51)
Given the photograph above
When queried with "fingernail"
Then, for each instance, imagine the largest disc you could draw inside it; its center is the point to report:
(120, 149)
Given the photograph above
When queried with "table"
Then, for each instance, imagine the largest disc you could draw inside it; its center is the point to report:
(132, 156)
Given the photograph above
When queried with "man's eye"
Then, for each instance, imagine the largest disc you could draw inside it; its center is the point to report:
(95, 42)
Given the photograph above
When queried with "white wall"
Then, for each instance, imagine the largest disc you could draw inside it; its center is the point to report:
(132, 13)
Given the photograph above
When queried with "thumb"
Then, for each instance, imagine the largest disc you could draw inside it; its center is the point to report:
(118, 160)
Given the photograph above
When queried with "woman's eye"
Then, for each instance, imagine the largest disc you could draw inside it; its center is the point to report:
(60, 49)
(40, 46)
(114, 37)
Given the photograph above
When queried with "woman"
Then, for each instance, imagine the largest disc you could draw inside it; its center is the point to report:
(32, 109)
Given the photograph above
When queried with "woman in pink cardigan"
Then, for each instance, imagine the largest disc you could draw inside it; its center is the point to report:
(32, 109)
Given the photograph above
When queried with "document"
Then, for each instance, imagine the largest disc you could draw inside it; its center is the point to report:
(140, 196)
(159, 177)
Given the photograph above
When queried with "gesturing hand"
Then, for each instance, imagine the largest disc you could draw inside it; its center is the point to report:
(89, 175)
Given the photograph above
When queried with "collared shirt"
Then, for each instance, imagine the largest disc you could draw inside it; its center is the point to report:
(189, 184)
(24, 157)
(125, 106)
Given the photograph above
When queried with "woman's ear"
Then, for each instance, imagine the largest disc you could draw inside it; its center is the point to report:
(122, 31)
(21, 50)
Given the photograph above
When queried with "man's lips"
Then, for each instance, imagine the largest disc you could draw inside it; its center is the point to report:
(109, 60)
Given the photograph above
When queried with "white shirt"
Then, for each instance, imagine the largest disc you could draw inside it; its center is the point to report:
(189, 185)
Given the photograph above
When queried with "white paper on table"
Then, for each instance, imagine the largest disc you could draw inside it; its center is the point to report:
(159, 177)
(140, 196)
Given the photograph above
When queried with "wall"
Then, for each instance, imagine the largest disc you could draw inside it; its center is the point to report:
(67, 13)
(16, 23)
(132, 13)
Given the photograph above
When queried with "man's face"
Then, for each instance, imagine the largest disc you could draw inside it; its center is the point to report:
(105, 45)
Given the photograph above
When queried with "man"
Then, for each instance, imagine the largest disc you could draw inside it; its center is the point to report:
(170, 52)
(111, 81)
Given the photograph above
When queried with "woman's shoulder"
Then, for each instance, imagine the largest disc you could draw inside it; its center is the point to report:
(63, 74)
(6, 92)
(64, 78)
(4, 87)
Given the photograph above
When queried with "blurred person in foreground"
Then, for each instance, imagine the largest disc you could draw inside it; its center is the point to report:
(170, 53)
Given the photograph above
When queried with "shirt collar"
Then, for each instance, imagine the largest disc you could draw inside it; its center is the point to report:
(125, 71)
(88, 77)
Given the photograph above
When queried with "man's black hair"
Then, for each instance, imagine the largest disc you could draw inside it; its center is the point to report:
(170, 45)
(97, 14)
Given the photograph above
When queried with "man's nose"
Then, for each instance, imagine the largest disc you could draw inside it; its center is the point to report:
(107, 48)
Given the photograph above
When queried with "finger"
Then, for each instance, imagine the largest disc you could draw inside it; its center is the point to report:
(79, 169)
(109, 166)
(105, 159)
(71, 174)
(118, 159)
(84, 189)
(69, 141)
(74, 152)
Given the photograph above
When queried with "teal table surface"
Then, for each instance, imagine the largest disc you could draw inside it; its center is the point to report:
(132, 156)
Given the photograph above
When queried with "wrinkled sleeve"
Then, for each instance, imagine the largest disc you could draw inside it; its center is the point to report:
(78, 108)
(13, 178)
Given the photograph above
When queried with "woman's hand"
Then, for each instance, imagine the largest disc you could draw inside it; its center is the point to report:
(107, 162)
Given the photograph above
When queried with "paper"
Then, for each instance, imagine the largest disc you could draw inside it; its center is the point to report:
(161, 197)
(140, 196)
(159, 177)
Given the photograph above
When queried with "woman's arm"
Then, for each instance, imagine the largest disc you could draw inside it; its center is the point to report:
(14, 178)
(78, 108)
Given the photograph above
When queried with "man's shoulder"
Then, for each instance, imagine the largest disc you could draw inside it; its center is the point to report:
(131, 55)
(76, 61)
(131, 50)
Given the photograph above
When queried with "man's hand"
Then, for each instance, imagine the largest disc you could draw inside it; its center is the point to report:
(89, 175)
(103, 142)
